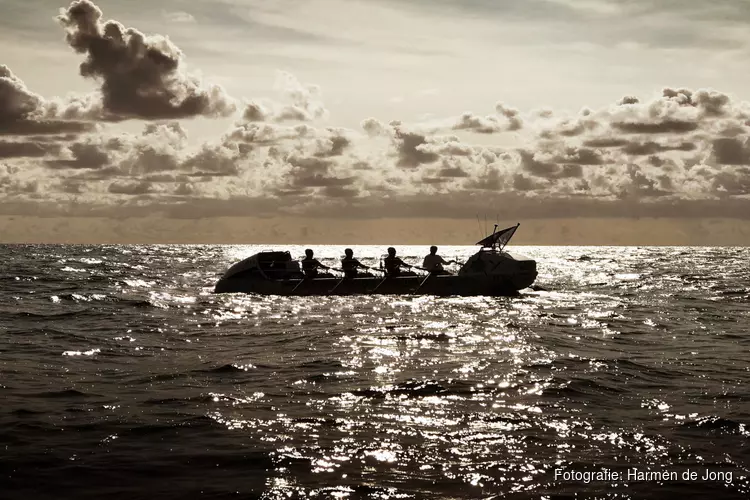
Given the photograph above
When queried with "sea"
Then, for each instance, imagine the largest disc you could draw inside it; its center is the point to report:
(625, 373)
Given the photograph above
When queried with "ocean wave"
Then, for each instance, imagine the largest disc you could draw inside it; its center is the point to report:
(636, 356)
(720, 425)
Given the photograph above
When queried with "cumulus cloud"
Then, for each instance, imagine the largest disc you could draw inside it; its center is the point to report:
(141, 76)
(677, 111)
(23, 112)
(676, 146)
(682, 148)
(409, 151)
(334, 144)
(506, 119)
(479, 124)
(82, 155)
(511, 115)
(303, 103)
(17, 102)
(374, 127)
(267, 134)
(157, 149)
(451, 146)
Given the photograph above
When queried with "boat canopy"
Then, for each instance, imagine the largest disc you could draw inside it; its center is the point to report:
(498, 239)
(273, 264)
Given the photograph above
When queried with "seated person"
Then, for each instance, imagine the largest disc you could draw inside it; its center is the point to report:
(434, 263)
(394, 264)
(310, 266)
(350, 265)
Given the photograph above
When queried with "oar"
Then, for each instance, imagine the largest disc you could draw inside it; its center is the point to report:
(430, 273)
(306, 278)
(381, 282)
(298, 284)
(421, 269)
(423, 282)
(337, 284)
(386, 277)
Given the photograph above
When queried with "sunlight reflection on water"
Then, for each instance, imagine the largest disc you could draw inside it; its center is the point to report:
(633, 357)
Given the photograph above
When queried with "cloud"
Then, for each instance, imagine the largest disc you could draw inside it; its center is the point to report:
(141, 76)
(506, 119)
(731, 151)
(178, 17)
(590, 7)
(511, 115)
(679, 148)
(373, 127)
(677, 111)
(408, 150)
(216, 160)
(16, 101)
(22, 111)
(30, 149)
(479, 124)
(130, 188)
(451, 146)
(266, 134)
(681, 152)
(303, 103)
(51, 127)
(335, 144)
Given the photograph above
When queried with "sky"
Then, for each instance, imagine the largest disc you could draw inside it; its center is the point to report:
(247, 121)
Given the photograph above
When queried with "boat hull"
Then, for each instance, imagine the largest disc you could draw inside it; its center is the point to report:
(408, 285)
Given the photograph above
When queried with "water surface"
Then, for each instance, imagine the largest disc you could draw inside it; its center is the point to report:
(122, 376)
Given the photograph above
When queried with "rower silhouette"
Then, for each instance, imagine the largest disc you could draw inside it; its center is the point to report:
(310, 265)
(351, 266)
(394, 264)
(434, 263)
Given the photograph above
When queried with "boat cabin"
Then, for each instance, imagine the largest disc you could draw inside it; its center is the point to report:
(269, 265)
(488, 262)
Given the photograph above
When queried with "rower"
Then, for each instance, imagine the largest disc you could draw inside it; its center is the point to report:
(394, 264)
(434, 263)
(350, 265)
(310, 265)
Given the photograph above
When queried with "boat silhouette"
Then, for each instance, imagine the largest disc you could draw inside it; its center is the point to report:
(491, 272)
